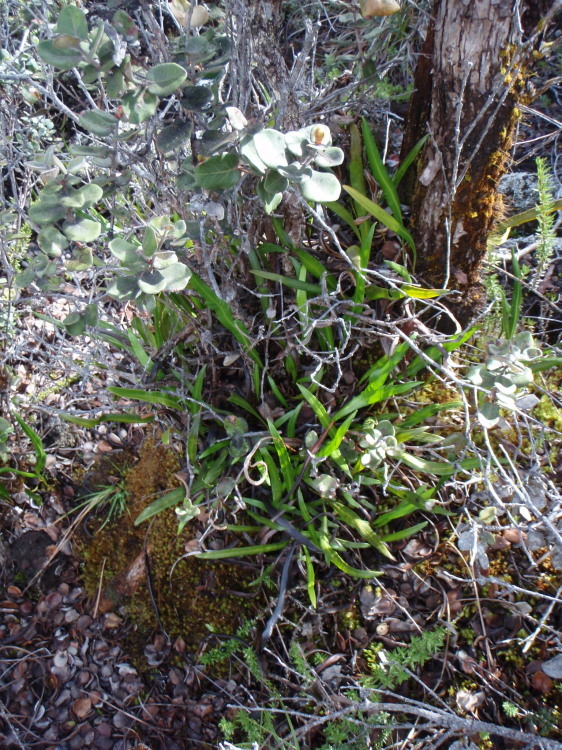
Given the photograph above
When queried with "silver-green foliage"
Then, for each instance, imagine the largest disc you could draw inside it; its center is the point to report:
(279, 160)
(150, 267)
(501, 378)
(282, 159)
(70, 207)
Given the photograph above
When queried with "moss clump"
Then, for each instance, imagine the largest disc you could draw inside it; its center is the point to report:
(549, 414)
(197, 596)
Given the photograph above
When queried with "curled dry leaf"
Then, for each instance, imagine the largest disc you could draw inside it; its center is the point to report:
(468, 701)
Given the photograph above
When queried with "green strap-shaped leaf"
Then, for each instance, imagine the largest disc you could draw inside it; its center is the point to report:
(381, 215)
(380, 172)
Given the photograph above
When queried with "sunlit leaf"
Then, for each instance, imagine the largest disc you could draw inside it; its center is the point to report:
(165, 78)
(218, 172)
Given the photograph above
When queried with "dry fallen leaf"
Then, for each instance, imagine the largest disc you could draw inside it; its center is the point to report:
(374, 8)
(553, 667)
(542, 682)
(468, 701)
(81, 707)
(184, 13)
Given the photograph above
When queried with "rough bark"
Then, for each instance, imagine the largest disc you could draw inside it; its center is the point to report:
(472, 74)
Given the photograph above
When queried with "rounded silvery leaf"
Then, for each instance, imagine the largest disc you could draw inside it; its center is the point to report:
(150, 241)
(165, 78)
(83, 230)
(330, 157)
(173, 137)
(72, 199)
(385, 427)
(218, 173)
(296, 141)
(91, 193)
(164, 259)
(296, 172)
(368, 441)
(505, 400)
(270, 146)
(523, 340)
(72, 21)
(199, 49)
(139, 106)
(152, 282)
(197, 97)
(99, 122)
(47, 211)
(250, 155)
(124, 287)
(370, 460)
(274, 182)
(64, 59)
(176, 276)
(522, 376)
(505, 385)
(321, 187)
(532, 352)
(115, 84)
(126, 252)
(91, 315)
(271, 202)
(495, 363)
(466, 541)
(489, 415)
(84, 197)
(81, 259)
(51, 241)
(74, 324)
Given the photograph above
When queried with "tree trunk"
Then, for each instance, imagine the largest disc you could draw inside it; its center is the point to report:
(472, 74)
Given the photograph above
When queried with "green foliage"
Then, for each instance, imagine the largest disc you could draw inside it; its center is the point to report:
(110, 501)
(503, 375)
(510, 710)
(34, 469)
(6, 430)
(545, 219)
(281, 159)
(387, 668)
(149, 267)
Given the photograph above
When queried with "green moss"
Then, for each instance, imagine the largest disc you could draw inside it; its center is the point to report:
(549, 414)
(197, 597)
